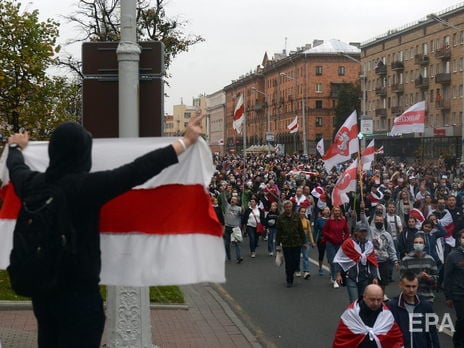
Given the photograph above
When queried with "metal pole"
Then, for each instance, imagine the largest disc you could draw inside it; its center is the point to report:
(305, 141)
(128, 308)
(244, 127)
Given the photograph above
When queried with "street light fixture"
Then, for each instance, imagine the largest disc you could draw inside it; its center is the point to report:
(303, 115)
(268, 115)
(363, 77)
(438, 19)
(364, 92)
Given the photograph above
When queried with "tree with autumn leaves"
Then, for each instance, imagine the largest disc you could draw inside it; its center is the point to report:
(29, 98)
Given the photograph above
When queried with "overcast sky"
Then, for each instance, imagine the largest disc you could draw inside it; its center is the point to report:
(238, 33)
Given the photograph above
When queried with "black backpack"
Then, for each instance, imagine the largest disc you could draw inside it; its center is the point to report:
(44, 244)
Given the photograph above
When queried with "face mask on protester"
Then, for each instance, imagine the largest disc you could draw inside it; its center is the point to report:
(378, 225)
(418, 246)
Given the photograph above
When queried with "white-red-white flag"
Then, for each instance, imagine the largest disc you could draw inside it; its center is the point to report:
(162, 232)
(320, 147)
(345, 183)
(410, 121)
(379, 151)
(293, 126)
(345, 143)
(239, 115)
(367, 156)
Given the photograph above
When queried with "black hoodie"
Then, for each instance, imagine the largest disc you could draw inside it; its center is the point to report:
(70, 161)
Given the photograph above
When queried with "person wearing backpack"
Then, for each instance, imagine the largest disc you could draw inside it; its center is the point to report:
(71, 314)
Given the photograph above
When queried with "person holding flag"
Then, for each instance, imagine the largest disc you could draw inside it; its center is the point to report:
(74, 316)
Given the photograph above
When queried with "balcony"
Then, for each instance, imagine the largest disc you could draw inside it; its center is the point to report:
(397, 88)
(397, 110)
(421, 59)
(443, 104)
(397, 66)
(382, 91)
(443, 78)
(382, 112)
(381, 69)
(443, 53)
(422, 82)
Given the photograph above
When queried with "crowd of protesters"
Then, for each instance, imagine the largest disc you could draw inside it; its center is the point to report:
(406, 216)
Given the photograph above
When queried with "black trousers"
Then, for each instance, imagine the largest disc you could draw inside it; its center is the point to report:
(70, 320)
(292, 261)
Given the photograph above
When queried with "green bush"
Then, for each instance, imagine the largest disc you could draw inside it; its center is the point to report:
(158, 294)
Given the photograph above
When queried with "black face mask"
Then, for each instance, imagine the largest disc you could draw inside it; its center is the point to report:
(378, 225)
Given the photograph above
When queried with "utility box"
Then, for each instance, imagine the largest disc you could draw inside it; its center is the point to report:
(100, 107)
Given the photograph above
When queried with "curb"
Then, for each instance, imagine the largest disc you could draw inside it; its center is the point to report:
(244, 323)
(27, 305)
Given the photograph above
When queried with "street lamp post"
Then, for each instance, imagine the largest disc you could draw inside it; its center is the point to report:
(364, 91)
(268, 115)
(458, 30)
(303, 114)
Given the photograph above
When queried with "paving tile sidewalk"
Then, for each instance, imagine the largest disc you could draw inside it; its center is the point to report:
(208, 321)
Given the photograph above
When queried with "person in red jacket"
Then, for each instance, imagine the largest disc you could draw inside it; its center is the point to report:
(334, 232)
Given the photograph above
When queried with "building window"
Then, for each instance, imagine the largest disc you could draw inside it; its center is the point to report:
(318, 121)
(318, 87)
(318, 104)
(187, 115)
(341, 71)
(319, 70)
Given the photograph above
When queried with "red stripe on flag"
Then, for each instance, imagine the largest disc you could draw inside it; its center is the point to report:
(169, 209)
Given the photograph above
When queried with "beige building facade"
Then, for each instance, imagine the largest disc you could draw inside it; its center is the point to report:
(423, 60)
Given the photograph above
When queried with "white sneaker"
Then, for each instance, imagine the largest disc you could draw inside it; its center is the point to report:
(271, 254)
(297, 274)
(253, 255)
(335, 285)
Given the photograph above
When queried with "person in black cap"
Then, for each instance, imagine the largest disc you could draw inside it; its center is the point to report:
(73, 317)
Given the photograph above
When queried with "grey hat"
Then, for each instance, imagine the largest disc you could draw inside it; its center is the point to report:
(361, 226)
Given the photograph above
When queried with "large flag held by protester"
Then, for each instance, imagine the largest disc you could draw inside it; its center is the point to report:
(345, 143)
(345, 183)
(239, 115)
(164, 232)
(320, 147)
(410, 121)
(367, 156)
(293, 126)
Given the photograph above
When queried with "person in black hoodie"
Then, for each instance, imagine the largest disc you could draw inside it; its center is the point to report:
(406, 237)
(74, 317)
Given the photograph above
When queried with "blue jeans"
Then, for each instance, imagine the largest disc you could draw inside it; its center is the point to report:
(227, 241)
(331, 250)
(271, 239)
(305, 252)
(253, 238)
(355, 290)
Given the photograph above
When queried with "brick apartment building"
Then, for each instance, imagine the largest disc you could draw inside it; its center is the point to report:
(420, 61)
(302, 83)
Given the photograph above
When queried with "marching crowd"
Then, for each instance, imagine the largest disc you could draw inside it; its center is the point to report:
(408, 217)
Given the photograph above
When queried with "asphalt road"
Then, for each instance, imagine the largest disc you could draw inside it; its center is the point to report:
(302, 316)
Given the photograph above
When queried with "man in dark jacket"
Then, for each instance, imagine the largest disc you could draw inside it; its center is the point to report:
(409, 306)
(454, 287)
(290, 238)
(74, 316)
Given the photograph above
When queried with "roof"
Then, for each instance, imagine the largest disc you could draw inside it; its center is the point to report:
(333, 46)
